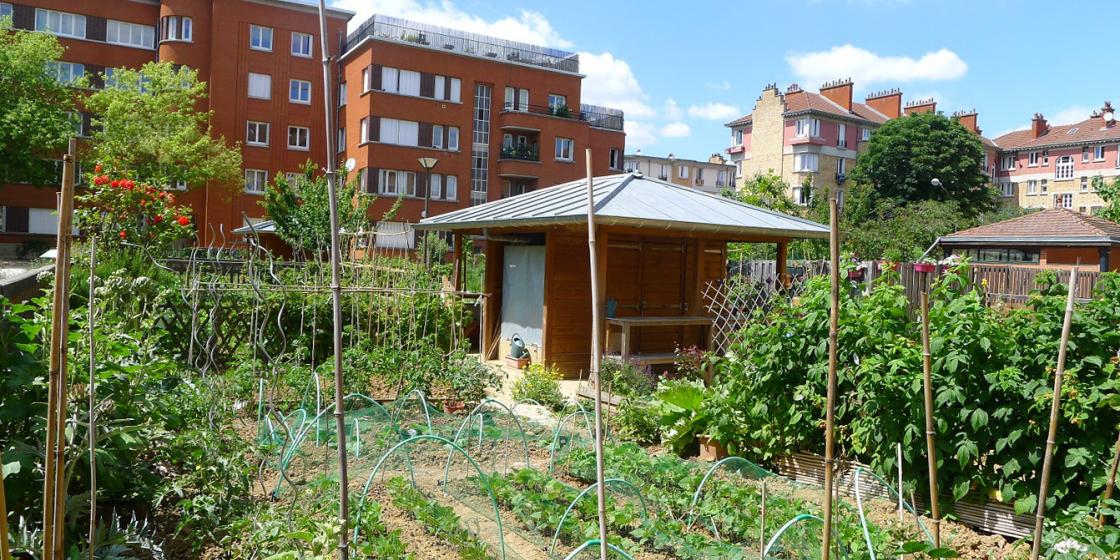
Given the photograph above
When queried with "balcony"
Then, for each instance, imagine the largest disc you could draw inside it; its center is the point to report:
(736, 149)
(523, 153)
(599, 117)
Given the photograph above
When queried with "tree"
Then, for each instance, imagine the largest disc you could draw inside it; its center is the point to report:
(36, 109)
(906, 154)
(301, 212)
(1110, 194)
(765, 191)
(150, 129)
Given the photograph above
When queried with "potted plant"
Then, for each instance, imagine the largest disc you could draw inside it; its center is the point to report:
(925, 264)
(855, 274)
(466, 380)
(683, 408)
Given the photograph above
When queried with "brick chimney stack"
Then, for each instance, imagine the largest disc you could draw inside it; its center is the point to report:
(1039, 126)
(839, 92)
(967, 120)
(921, 106)
(887, 102)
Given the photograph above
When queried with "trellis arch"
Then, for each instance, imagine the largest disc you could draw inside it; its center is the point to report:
(467, 422)
(606, 483)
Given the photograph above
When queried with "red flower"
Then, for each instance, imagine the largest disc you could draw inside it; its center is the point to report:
(184, 221)
(123, 234)
(97, 168)
(116, 183)
(157, 219)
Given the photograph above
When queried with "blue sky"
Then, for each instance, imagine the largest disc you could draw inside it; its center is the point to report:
(682, 69)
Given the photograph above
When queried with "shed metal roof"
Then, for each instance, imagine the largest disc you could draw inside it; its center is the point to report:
(630, 199)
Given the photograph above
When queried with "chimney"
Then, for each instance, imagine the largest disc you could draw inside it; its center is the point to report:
(921, 106)
(887, 102)
(1039, 125)
(967, 120)
(717, 159)
(839, 92)
(793, 88)
(1108, 114)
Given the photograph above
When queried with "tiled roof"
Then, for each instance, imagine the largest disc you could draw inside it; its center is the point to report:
(1089, 130)
(1055, 225)
(740, 121)
(804, 101)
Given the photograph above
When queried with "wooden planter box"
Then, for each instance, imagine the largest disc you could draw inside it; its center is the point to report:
(925, 267)
(519, 363)
(710, 450)
(856, 274)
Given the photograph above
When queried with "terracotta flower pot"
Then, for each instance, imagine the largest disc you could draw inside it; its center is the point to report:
(453, 407)
(856, 274)
(925, 267)
(710, 450)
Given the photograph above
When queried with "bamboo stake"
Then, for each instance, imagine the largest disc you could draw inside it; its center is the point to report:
(898, 449)
(830, 411)
(54, 502)
(1055, 410)
(931, 432)
(1111, 481)
(336, 294)
(5, 554)
(92, 397)
(762, 524)
(596, 357)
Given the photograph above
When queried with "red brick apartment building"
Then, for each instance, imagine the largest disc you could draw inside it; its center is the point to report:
(261, 59)
(501, 118)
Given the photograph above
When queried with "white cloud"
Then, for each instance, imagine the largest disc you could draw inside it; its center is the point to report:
(609, 81)
(866, 68)
(722, 85)
(714, 111)
(672, 110)
(676, 130)
(1070, 115)
(639, 134)
(612, 83)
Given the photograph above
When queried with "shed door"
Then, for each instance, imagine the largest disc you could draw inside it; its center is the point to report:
(662, 293)
(523, 292)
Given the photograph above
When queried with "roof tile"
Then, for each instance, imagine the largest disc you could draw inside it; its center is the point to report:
(1090, 130)
(1049, 223)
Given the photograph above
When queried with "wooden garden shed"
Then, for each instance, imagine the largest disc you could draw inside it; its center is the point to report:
(659, 245)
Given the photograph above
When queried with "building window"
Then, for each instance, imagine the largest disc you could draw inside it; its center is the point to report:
(738, 137)
(260, 86)
(299, 91)
(1006, 189)
(404, 133)
(391, 181)
(60, 23)
(451, 187)
(1032, 187)
(66, 72)
(1064, 169)
(255, 180)
(840, 165)
(256, 133)
(1008, 163)
(301, 44)
(1064, 200)
(130, 34)
(342, 94)
(480, 151)
(299, 138)
(341, 146)
(802, 195)
(682, 171)
(842, 136)
(631, 166)
(367, 82)
(1084, 184)
(1043, 187)
(404, 82)
(1032, 159)
(5, 11)
(565, 147)
(1045, 158)
(176, 28)
(180, 185)
(805, 163)
(808, 127)
(453, 138)
(614, 158)
(555, 101)
(1098, 153)
(864, 134)
(1085, 154)
(517, 99)
(260, 38)
(1094, 210)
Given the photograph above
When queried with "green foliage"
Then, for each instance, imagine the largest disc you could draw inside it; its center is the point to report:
(625, 379)
(992, 372)
(1109, 191)
(771, 192)
(468, 378)
(906, 154)
(150, 128)
(123, 212)
(301, 209)
(438, 520)
(765, 191)
(540, 383)
(636, 421)
(36, 110)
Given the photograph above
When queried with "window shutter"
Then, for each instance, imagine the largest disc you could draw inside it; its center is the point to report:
(446, 132)
(23, 17)
(447, 89)
(375, 76)
(427, 85)
(18, 219)
(425, 135)
(422, 184)
(95, 28)
(373, 180)
(374, 129)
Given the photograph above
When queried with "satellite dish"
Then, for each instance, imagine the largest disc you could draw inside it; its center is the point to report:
(350, 164)
(1109, 116)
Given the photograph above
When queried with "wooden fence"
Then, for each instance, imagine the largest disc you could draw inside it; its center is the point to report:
(1000, 283)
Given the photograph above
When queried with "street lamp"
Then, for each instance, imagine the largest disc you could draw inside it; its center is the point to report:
(428, 163)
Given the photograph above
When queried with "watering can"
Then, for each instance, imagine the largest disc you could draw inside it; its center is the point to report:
(517, 348)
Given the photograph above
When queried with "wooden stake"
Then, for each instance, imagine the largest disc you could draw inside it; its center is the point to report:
(5, 554)
(336, 293)
(830, 411)
(762, 524)
(54, 494)
(898, 448)
(596, 357)
(1111, 481)
(1055, 411)
(91, 308)
(931, 432)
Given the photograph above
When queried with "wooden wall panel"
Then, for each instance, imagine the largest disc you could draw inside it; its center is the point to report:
(568, 286)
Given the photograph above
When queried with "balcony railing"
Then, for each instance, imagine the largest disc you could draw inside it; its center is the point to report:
(473, 44)
(601, 117)
(524, 153)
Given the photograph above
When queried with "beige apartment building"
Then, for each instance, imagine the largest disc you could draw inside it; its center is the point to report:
(711, 176)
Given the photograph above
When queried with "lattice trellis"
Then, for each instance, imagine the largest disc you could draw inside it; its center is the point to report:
(734, 302)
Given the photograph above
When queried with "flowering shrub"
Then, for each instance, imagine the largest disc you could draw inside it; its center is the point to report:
(124, 212)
